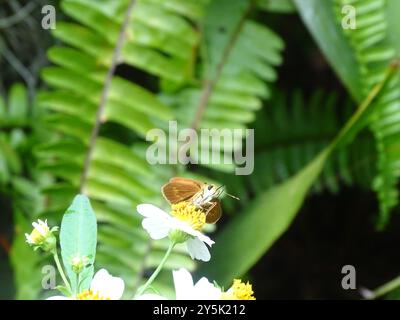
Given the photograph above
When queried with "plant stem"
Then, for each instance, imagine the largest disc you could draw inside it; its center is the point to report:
(61, 271)
(209, 85)
(384, 289)
(157, 271)
(104, 95)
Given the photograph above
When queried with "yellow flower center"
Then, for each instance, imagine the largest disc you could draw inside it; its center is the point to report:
(190, 214)
(90, 295)
(239, 291)
(36, 236)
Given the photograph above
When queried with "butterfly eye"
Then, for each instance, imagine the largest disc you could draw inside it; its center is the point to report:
(209, 187)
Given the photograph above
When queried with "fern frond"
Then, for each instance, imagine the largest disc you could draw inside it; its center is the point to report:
(374, 52)
(239, 60)
(154, 36)
(178, 42)
(291, 131)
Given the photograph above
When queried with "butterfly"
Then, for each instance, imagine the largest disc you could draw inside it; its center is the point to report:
(202, 195)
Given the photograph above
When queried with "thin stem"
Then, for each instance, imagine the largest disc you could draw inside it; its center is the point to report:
(384, 289)
(19, 16)
(104, 95)
(372, 95)
(78, 281)
(60, 270)
(157, 271)
(210, 84)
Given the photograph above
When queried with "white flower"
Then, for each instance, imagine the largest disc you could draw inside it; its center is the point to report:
(39, 233)
(185, 289)
(103, 287)
(185, 220)
(42, 236)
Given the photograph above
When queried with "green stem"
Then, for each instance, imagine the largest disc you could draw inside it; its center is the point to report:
(157, 271)
(78, 282)
(61, 271)
(386, 288)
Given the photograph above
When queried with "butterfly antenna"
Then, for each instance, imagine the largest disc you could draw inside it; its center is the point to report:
(229, 194)
(232, 196)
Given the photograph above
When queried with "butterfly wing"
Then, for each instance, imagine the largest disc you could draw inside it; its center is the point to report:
(214, 212)
(186, 181)
(180, 189)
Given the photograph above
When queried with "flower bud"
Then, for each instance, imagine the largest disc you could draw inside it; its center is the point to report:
(178, 236)
(78, 263)
(42, 236)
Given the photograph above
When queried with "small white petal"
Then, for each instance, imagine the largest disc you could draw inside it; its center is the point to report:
(185, 227)
(151, 211)
(151, 296)
(157, 228)
(58, 298)
(204, 238)
(198, 250)
(107, 285)
(183, 284)
(28, 238)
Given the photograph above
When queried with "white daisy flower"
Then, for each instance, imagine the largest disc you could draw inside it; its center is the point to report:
(103, 287)
(42, 236)
(183, 225)
(185, 289)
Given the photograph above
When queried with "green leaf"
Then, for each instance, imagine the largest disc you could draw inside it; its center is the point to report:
(252, 232)
(278, 6)
(319, 17)
(18, 103)
(25, 262)
(78, 237)
(220, 28)
(64, 290)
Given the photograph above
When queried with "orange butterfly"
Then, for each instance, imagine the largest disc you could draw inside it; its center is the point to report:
(203, 195)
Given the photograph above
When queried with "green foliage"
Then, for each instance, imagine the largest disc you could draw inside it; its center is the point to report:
(239, 60)
(369, 48)
(13, 114)
(321, 20)
(281, 6)
(374, 53)
(25, 262)
(290, 132)
(78, 239)
(118, 177)
(20, 130)
(162, 39)
(245, 239)
(206, 69)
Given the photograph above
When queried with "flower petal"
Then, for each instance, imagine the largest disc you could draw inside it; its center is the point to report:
(151, 211)
(58, 298)
(206, 290)
(183, 226)
(183, 283)
(157, 228)
(107, 285)
(198, 250)
(205, 239)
